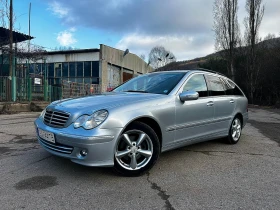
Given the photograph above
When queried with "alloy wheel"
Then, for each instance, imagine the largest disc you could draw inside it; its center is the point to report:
(236, 129)
(134, 150)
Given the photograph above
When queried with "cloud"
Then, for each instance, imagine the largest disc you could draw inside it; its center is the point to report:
(148, 17)
(72, 29)
(182, 46)
(270, 21)
(183, 26)
(58, 9)
(65, 38)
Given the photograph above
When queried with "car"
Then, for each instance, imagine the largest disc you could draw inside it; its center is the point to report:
(130, 126)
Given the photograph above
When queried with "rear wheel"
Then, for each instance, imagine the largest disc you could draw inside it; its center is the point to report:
(235, 131)
(137, 150)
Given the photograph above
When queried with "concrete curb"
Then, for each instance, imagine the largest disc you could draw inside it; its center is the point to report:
(7, 107)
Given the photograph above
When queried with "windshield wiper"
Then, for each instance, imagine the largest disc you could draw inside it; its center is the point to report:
(136, 91)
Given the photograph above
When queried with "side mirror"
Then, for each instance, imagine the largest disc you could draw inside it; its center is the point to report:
(188, 95)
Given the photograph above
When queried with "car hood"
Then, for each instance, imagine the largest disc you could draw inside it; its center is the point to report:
(109, 100)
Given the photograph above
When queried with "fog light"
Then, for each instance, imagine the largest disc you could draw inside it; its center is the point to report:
(83, 152)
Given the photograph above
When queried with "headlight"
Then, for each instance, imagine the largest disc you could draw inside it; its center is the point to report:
(90, 122)
(80, 121)
(42, 114)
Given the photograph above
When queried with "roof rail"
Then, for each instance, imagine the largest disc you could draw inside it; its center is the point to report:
(211, 71)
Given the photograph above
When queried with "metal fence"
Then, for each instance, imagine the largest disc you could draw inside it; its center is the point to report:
(29, 89)
(26, 89)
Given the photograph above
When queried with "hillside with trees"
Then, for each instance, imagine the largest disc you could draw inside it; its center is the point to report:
(253, 63)
(267, 86)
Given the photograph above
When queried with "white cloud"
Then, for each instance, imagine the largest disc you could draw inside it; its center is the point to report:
(66, 38)
(182, 26)
(58, 9)
(73, 29)
(183, 47)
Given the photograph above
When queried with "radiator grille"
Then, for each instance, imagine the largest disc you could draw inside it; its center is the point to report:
(56, 118)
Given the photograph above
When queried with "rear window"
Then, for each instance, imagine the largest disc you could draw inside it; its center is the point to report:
(231, 88)
(215, 86)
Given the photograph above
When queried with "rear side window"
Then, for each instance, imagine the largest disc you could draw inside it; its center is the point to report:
(197, 83)
(231, 88)
(215, 86)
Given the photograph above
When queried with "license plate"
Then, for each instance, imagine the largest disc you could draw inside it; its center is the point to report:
(48, 136)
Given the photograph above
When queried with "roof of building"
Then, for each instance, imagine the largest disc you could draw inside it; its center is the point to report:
(17, 37)
(73, 51)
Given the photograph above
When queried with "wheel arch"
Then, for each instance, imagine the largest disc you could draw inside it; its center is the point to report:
(151, 122)
(240, 116)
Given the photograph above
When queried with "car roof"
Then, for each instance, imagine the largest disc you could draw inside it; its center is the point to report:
(198, 70)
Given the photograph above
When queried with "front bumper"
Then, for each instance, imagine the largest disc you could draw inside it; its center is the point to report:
(69, 142)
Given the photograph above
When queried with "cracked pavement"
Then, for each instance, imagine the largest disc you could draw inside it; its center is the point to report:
(210, 175)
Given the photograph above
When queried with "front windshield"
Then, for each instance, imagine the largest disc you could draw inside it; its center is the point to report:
(159, 83)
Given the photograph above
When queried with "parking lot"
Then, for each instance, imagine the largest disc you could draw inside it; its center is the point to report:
(211, 175)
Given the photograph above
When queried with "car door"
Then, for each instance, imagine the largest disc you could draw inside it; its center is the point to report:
(224, 104)
(193, 118)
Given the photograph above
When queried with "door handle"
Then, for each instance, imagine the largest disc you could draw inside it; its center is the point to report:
(210, 103)
(231, 101)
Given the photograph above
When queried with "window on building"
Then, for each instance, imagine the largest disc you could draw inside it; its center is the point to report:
(50, 70)
(38, 67)
(72, 69)
(32, 68)
(65, 70)
(57, 67)
(43, 68)
(87, 69)
(80, 69)
(95, 69)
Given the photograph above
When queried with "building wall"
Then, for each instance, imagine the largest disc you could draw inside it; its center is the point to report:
(112, 67)
(71, 57)
(130, 64)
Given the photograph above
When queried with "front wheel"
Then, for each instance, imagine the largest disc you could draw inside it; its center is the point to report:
(137, 150)
(235, 131)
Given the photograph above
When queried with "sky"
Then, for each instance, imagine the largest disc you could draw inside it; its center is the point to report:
(185, 27)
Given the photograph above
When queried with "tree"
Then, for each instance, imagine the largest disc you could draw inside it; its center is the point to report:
(159, 57)
(226, 28)
(252, 22)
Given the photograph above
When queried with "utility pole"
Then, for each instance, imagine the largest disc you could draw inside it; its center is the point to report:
(11, 39)
(11, 56)
(29, 27)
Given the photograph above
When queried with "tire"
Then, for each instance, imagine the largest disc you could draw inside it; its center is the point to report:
(235, 131)
(136, 150)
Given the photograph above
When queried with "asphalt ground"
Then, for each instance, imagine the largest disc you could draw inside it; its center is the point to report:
(210, 175)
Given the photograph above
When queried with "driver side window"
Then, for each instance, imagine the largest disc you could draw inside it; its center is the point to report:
(197, 83)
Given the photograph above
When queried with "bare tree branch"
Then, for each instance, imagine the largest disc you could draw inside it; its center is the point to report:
(159, 57)
(226, 28)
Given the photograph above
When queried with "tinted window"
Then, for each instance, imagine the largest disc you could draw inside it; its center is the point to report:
(197, 83)
(216, 86)
(65, 69)
(80, 69)
(231, 88)
(95, 69)
(72, 70)
(57, 67)
(50, 70)
(87, 69)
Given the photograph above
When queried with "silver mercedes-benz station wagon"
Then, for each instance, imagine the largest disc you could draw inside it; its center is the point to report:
(129, 127)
